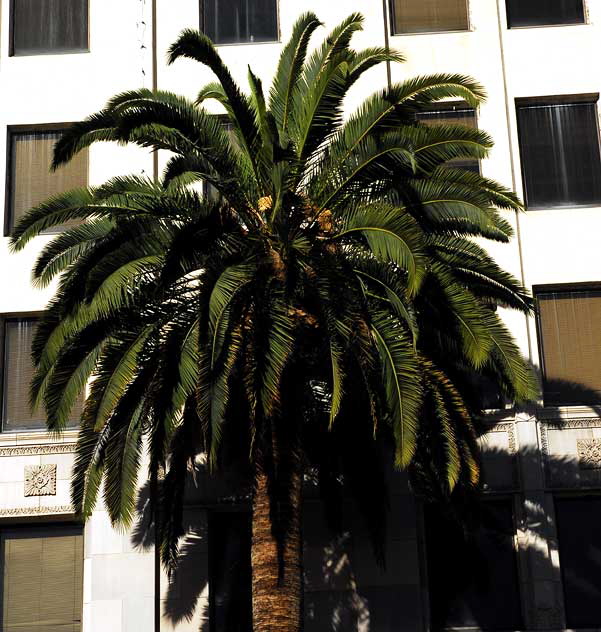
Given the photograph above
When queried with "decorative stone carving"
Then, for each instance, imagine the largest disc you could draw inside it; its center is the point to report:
(565, 471)
(36, 450)
(40, 480)
(589, 453)
(18, 512)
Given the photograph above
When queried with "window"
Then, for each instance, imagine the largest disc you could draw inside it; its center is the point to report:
(17, 370)
(454, 114)
(49, 26)
(230, 572)
(30, 180)
(579, 554)
(209, 191)
(42, 579)
(428, 16)
(544, 12)
(467, 568)
(559, 147)
(570, 344)
(240, 21)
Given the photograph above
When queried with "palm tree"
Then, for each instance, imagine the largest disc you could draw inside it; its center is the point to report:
(329, 297)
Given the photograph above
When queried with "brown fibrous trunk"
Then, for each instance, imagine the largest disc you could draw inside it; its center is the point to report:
(276, 574)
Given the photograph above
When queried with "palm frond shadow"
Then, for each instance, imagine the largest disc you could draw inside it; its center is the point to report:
(340, 590)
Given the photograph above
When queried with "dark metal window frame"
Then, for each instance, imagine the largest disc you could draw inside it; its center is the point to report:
(241, 509)
(489, 496)
(5, 318)
(551, 288)
(562, 494)
(585, 19)
(11, 38)
(591, 98)
(10, 132)
(453, 106)
(395, 33)
(278, 35)
(38, 524)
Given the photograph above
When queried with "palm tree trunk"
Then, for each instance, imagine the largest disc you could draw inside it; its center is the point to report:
(276, 589)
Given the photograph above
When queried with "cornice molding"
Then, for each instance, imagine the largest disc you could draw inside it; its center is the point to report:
(37, 450)
(18, 512)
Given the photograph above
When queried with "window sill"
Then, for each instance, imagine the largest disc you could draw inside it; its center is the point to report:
(546, 26)
(555, 412)
(567, 207)
(50, 53)
(412, 33)
(25, 438)
(228, 44)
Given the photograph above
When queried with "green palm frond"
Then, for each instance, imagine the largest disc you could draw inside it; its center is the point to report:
(335, 284)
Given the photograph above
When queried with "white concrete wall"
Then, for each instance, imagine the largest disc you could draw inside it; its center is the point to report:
(559, 245)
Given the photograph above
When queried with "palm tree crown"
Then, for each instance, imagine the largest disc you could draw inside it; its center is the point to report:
(332, 287)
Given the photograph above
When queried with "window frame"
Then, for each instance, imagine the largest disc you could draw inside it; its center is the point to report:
(11, 37)
(562, 494)
(4, 318)
(490, 495)
(591, 98)
(394, 33)
(451, 106)
(69, 522)
(585, 19)
(241, 509)
(11, 130)
(549, 288)
(278, 35)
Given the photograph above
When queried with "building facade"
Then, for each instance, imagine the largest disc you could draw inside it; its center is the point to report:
(540, 544)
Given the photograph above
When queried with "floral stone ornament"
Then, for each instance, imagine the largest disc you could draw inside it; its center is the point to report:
(589, 453)
(40, 480)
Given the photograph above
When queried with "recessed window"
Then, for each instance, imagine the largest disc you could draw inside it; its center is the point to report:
(429, 16)
(17, 371)
(230, 571)
(454, 114)
(49, 26)
(472, 569)
(579, 554)
(544, 12)
(570, 344)
(30, 179)
(559, 148)
(209, 191)
(42, 578)
(240, 21)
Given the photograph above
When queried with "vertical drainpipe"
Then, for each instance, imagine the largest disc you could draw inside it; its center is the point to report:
(155, 83)
(512, 163)
(154, 487)
(386, 40)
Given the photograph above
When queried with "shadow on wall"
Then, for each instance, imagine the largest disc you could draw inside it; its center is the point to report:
(470, 553)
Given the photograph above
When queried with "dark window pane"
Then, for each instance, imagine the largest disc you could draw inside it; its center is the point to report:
(580, 559)
(544, 12)
(473, 573)
(568, 323)
(42, 579)
(31, 180)
(559, 147)
(427, 16)
(230, 572)
(454, 115)
(240, 21)
(49, 26)
(17, 373)
(209, 191)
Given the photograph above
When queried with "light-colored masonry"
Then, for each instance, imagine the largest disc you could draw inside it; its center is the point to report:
(531, 458)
